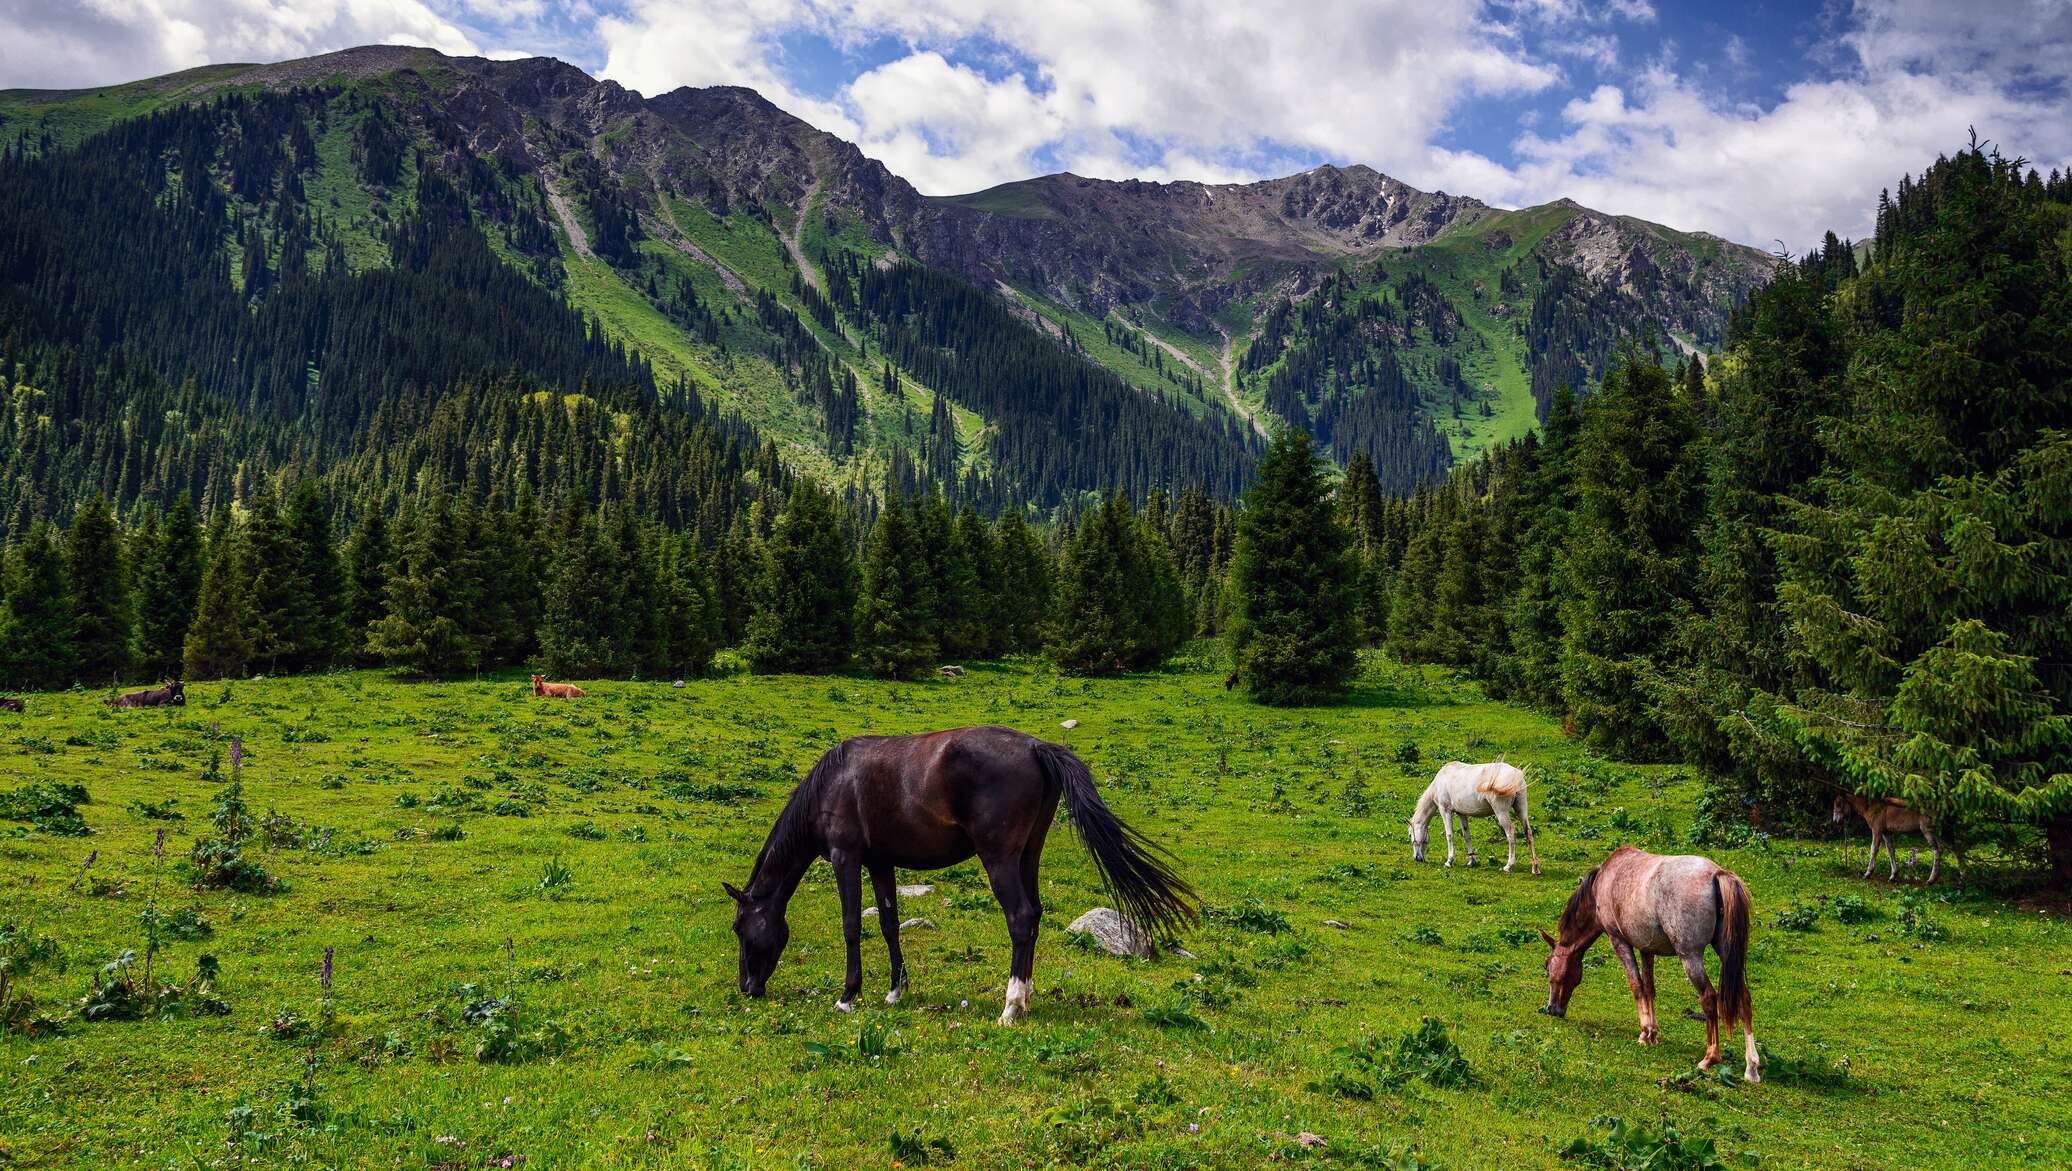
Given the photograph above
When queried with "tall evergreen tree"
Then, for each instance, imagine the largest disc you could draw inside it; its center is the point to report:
(577, 628)
(219, 641)
(432, 598)
(1025, 584)
(36, 624)
(1627, 572)
(168, 578)
(101, 613)
(1292, 624)
(895, 619)
(367, 557)
(806, 595)
(321, 638)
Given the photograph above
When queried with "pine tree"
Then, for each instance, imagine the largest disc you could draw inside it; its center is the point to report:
(981, 554)
(100, 595)
(321, 638)
(281, 608)
(577, 637)
(367, 556)
(806, 594)
(36, 624)
(219, 640)
(168, 584)
(1292, 630)
(1025, 583)
(693, 626)
(895, 619)
(1100, 623)
(432, 598)
(1627, 572)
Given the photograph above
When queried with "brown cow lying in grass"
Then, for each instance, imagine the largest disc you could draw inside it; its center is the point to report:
(174, 693)
(1887, 817)
(540, 686)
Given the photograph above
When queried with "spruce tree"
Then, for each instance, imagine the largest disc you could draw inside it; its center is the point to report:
(432, 598)
(219, 640)
(806, 593)
(320, 640)
(981, 554)
(1627, 571)
(1099, 624)
(100, 595)
(367, 557)
(1292, 575)
(694, 623)
(281, 608)
(36, 624)
(895, 619)
(954, 579)
(168, 585)
(1025, 582)
(577, 627)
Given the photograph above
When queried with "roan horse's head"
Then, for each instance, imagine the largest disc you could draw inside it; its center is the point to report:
(1842, 808)
(760, 926)
(1564, 972)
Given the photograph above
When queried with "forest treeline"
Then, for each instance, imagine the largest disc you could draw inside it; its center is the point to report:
(1839, 556)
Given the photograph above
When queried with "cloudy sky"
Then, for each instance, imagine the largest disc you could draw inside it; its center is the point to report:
(1761, 121)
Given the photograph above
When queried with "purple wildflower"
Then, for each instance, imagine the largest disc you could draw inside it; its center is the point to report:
(158, 847)
(237, 752)
(84, 867)
(324, 976)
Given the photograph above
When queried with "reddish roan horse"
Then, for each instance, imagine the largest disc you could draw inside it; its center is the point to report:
(930, 801)
(1651, 905)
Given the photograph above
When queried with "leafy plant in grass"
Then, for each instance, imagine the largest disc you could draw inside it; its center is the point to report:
(1817, 1071)
(49, 806)
(1854, 909)
(1799, 917)
(1176, 1018)
(1251, 915)
(917, 1150)
(502, 1037)
(555, 878)
(875, 1041)
(1425, 1054)
(1917, 919)
(1636, 1148)
(218, 862)
(21, 951)
(123, 992)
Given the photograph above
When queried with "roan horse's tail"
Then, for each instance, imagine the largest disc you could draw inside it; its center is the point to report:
(1157, 900)
(1735, 1003)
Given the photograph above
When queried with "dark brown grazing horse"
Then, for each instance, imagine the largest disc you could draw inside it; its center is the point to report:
(174, 693)
(930, 801)
(1654, 905)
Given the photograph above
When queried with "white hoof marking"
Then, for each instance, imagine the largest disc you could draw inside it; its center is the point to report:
(892, 997)
(845, 1006)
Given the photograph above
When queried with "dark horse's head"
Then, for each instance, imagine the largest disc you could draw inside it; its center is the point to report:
(760, 926)
(176, 692)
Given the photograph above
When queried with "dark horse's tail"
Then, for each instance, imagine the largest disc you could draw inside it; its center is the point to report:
(1153, 897)
(1732, 943)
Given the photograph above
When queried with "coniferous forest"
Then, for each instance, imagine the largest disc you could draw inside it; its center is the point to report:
(1836, 551)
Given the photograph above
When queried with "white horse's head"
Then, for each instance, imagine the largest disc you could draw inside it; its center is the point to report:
(1420, 832)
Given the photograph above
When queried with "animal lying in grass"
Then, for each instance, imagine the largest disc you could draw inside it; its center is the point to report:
(12, 704)
(1650, 905)
(930, 801)
(1474, 790)
(173, 693)
(540, 686)
(1887, 817)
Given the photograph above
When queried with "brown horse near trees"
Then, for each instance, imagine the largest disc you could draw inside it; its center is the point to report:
(1651, 905)
(925, 802)
(540, 686)
(1887, 817)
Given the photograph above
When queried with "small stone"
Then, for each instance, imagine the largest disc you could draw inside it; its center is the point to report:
(869, 912)
(1307, 1140)
(678, 683)
(1115, 934)
(1337, 924)
(1068, 725)
(915, 891)
(917, 924)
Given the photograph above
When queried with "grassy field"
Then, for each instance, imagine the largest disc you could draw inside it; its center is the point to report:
(533, 962)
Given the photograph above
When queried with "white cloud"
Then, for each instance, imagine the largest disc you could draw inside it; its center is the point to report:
(98, 42)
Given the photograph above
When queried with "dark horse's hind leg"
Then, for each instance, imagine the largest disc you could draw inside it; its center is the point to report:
(884, 885)
(849, 885)
(1013, 877)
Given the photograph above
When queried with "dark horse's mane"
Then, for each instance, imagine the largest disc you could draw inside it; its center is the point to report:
(1579, 917)
(788, 837)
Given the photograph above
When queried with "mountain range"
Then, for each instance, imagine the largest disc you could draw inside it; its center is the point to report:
(1038, 339)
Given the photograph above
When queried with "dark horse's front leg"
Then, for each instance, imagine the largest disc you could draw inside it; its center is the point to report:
(849, 885)
(884, 884)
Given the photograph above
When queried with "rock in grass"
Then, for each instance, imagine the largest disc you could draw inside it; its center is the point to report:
(1339, 925)
(1115, 934)
(917, 924)
(915, 891)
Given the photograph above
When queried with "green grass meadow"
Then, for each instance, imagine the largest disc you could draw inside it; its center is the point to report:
(460, 843)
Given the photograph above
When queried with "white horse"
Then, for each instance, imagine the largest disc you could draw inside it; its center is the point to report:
(1473, 790)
